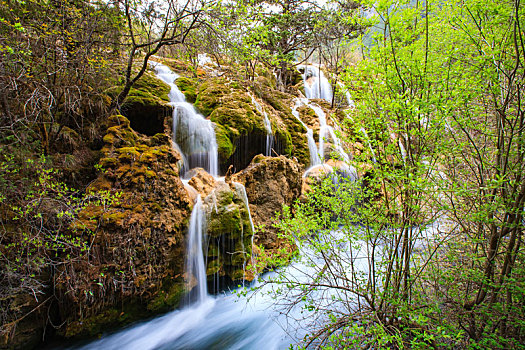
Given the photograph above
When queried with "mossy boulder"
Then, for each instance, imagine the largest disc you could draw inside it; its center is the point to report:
(136, 232)
(229, 106)
(209, 95)
(188, 87)
(270, 183)
(230, 231)
(146, 105)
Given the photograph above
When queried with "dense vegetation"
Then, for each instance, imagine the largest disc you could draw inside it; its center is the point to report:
(429, 250)
(437, 215)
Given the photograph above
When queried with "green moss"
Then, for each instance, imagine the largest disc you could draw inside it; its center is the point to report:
(114, 218)
(148, 157)
(149, 85)
(159, 140)
(294, 139)
(137, 99)
(209, 95)
(120, 134)
(109, 139)
(239, 118)
(213, 267)
(239, 258)
(226, 221)
(237, 274)
(168, 298)
(113, 318)
(118, 120)
(94, 325)
(224, 144)
(107, 162)
(258, 159)
(188, 87)
(213, 251)
(285, 140)
(224, 197)
(128, 154)
(150, 174)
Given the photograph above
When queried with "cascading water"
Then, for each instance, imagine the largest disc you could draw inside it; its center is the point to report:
(213, 322)
(402, 149)
(369, 144)
(267, 126)
(315, 84)
(348, 97)
(312, 147)
(241, 192)
(194, 256)
(193, 134)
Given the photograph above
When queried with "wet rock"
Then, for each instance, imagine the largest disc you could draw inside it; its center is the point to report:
(202, 181)
(270, 183)
(229, 231)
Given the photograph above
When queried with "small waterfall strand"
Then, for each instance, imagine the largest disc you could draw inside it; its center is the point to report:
(267, 126)
(194, 254)
(193, 134)
(315, 84)
(312, 147)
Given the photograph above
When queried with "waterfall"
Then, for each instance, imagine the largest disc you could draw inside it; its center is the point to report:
(348, 97)
(241, 192)
(267, 126)
(327, 132)
(369, 144)
(194, 256)
(315, 84)
(402, 149)
(193, 134)
(312, 147)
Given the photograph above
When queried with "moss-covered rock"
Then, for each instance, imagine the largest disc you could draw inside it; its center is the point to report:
(146, 106)
(224, 142)
(209, 95)
(188, 87)
(230, 232)
(137, 235)
(270, 183)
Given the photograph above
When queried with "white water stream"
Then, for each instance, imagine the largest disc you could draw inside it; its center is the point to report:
(223, 321)
(194, 257)
(193, 134)
(312, 147)
(317, 86)
(267, 126)
(315, 83)
(226, 321)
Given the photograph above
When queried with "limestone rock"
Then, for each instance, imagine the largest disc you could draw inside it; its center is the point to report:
(202, 182)
(270, 183)
(229, 232)
(137, 234)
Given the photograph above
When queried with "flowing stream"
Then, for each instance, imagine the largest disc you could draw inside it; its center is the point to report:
(194, 256)
(316, 86)
(223, 321)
